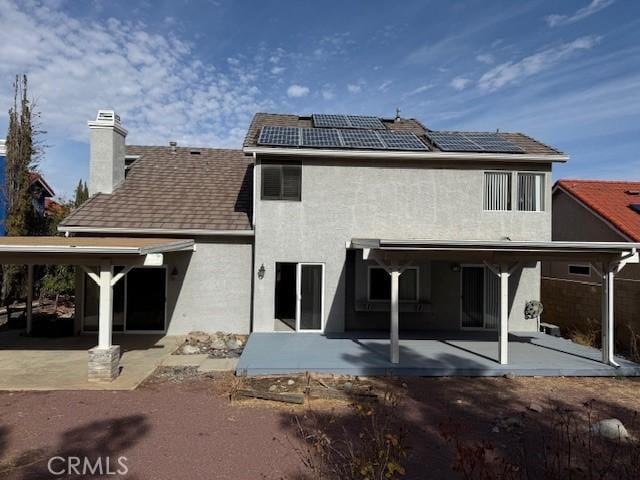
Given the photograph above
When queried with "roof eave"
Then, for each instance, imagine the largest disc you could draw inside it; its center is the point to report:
(405, 155)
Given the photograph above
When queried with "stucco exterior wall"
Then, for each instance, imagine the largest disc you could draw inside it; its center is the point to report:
(209, 290)
(346, 199)
(212, 290)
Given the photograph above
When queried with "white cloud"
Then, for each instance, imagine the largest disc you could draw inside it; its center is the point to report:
(486, 58)
(420, 89)
(595, 6)
(277, 70)
(384, 86)
(297, 91)
(354, 87)
(160, 89)
(460, 83)
(328, 94)
(511, 72)
(233, 61)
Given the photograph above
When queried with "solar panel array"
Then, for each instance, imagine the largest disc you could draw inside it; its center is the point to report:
(323, 120)
(473, 142)
(335, 138)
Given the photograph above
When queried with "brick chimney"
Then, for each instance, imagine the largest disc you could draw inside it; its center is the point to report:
(107, 146)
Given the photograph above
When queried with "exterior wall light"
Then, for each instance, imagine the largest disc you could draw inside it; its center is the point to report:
(261, 271)
(174, 273)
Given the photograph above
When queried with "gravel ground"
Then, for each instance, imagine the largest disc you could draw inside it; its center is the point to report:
(184, 426)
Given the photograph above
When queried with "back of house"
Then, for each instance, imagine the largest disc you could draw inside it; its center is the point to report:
(281, 227)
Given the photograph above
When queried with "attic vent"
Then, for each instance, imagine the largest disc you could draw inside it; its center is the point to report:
(632, 192)
(194, 152)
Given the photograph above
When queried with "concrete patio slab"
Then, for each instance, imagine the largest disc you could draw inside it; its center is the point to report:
(433, 354)
(29, 363)
(218, 365)
(194, 360)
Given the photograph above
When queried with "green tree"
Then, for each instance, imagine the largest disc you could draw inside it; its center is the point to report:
(22, 152)
(82, 194)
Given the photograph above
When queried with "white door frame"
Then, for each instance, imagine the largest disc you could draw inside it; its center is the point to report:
(484, 296)
(299, 266)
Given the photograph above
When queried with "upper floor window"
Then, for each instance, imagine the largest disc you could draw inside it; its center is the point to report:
(281, 180)
(531, 192)
(497, 191)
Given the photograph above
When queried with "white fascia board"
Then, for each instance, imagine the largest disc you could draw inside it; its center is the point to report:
(156, 231)
(484, 245)
(70, 249)
(405, 155)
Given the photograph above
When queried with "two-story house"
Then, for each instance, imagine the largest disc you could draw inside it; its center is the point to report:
(326, 224)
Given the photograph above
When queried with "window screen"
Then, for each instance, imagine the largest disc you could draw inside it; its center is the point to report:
(281, 181)
(530, 192)
(497, 191)
(380, 285)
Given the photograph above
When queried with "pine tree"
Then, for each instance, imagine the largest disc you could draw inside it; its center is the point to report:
(81, 195)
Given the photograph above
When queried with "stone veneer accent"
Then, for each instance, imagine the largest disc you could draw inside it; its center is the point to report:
(104, 364)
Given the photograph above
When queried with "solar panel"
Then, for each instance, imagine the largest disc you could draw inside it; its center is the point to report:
(358, 121)
(271, 135)
(453, 142)
(635, 207)
(473, 142)
(361, 139)
(325, 120)
(320, 137)
(492, 142)
(401, 141)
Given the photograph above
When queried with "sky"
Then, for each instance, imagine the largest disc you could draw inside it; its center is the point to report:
(566, 73)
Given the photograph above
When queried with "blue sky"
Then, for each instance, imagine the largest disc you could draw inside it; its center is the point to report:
(567, 73)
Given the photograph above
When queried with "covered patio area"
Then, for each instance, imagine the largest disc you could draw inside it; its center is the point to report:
(458, 353)
(97, 256)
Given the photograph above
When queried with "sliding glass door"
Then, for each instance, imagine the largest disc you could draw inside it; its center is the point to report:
(310, 296)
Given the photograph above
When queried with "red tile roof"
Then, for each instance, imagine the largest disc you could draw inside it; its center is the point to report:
(36, 177)
(611, 200)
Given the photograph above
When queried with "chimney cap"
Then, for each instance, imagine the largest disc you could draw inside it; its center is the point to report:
(107, 118)
(172, 145)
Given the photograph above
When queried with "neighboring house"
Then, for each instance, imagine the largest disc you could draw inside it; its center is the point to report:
(40, 191)
(594, 211)
(289, 216)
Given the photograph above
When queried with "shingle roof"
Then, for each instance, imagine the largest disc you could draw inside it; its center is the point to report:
(526, 143)
(611, 200)
(207, 191)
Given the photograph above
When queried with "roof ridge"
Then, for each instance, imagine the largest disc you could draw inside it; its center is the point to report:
(595, 180)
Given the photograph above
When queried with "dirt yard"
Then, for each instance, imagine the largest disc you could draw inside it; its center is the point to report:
(184, 425)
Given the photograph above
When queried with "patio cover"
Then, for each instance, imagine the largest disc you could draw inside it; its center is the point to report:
(88, 253)
(503, 257)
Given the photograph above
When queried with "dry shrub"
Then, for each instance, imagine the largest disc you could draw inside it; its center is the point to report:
(370, 447)
(586, 334)
(569, 451)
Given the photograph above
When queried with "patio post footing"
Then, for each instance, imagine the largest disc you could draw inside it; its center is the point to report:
(104, 364)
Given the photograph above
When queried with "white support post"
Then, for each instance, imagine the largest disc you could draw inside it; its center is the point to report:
(105, 318)
(395, 330)
(504, 315)
(29, 309)
(608, 336)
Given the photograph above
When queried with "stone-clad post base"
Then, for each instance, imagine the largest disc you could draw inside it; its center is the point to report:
(104, 363)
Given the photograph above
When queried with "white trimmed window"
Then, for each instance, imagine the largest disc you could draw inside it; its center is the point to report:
(379, 285)
(531, 192)
(497, 191)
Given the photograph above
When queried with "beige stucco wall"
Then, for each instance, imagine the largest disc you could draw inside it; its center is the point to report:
(343, 199)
